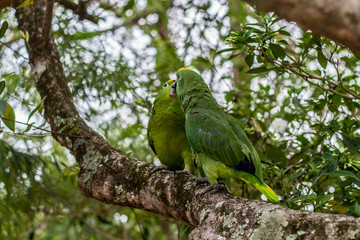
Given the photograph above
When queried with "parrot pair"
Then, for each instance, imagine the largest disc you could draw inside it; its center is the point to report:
(220, 144)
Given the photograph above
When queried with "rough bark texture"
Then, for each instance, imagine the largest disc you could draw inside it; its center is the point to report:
(334, 19)
(111, 177)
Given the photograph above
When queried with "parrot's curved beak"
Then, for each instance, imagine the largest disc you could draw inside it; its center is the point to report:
(173, 90)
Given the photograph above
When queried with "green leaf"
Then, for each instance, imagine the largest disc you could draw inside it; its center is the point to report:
(3, 104)
(314, 40)
(25, 4)
(283, 32)
(314, 168)
(334, 125)
(248, 34)
(3, 28)
(322, 59)
(29, 127)
(355, 209)
(226, 50)
(7, 112)
(274, 21)
(326, 198)
(303, 197)
(296, 101)
(249, 59)
(295, 175)
(284, 42)
(318, 106)
(342, 173)
(72, 131)
(41, 108)
(258, 70)
(35, 109)
(350, 143)
(231, 56)
(65, 127)
(229, 96)
(86, 35)
(2, 86)
(129, 5)
(277, 50)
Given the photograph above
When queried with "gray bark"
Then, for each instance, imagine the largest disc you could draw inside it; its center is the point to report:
(110, 176)
(334, 19)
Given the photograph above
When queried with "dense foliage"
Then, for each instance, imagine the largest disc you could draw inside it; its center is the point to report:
(296, 95)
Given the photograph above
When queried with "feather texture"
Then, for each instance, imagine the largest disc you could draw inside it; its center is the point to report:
(224, 149)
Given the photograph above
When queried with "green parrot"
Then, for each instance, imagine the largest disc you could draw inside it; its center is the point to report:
(166, 131)
(221, 146)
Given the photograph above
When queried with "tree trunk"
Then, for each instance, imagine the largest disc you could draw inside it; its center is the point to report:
(110, 176)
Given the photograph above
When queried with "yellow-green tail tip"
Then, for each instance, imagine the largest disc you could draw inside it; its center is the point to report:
(268, 192)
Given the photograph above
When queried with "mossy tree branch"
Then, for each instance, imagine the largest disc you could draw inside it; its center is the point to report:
(110, 176)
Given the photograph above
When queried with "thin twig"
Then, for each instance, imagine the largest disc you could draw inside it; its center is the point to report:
(68, 4)
(46, 130)
(8, 46)
(137, 222)
(317, 179)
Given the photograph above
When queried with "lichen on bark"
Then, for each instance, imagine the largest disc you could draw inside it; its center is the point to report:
(112, 177)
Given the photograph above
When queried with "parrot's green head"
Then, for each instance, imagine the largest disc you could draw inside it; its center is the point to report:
(164, 92)
(187, 81)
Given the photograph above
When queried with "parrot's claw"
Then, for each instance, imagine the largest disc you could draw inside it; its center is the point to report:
(205, 190)
(214, 188)
(201, 180)
(184, 171)
(159, 168)
(220, 186)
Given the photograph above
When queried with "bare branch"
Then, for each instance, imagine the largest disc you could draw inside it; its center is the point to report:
(79, 11)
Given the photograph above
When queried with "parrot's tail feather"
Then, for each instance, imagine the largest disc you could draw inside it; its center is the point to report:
(267, 191)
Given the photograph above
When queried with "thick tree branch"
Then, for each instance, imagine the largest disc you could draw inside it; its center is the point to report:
(334, 19)
(110, 176)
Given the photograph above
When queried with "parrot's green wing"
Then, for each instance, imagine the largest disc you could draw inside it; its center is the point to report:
(254, 156)
(221, 145)
(218, 137)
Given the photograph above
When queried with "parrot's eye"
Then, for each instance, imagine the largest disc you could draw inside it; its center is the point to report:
(165, 85)
(178, 76)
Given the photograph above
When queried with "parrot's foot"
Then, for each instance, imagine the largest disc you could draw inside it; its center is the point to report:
(212, 189)
(201, 180)
(184, 171)
(221, 186)
(204, 190)
(159, 168)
